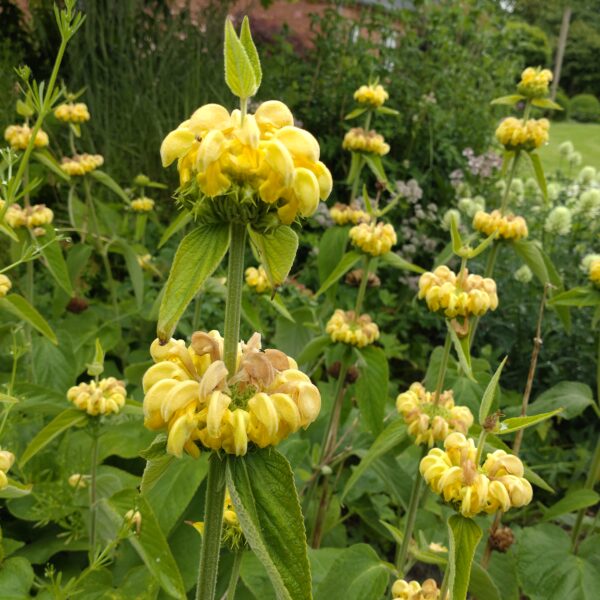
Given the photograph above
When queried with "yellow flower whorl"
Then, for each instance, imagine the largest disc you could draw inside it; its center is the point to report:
(7, 460)
(78, 481)
(444, 293)
(257, 279)
(5, 285)
(534, 82)
(142, 204)
(517, 134)
(371, 95)
(594, 272)
(18, 137)
(342, 214)
(453, 473)
(373, 238)
(509, 227)
(264, 152)
(429, 422)
(31, 217)
(413, 590)
(71, 112)
(105, 397)
(80, 164)
(190, 394)
(359, 140)
(348, 328)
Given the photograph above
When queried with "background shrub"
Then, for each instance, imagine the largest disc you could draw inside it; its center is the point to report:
(585, 108)
(562, 100)
(528, 43)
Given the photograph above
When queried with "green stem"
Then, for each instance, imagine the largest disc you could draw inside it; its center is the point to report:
(233, 307)
(445, 582)
(362, 290)
(235, 575)
(480, 445)
(509, 180)
(439, 386)
(213, 523)
(411, 517)
(93, 473)
(356, 184)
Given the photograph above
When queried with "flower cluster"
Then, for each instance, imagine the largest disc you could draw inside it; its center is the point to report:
(18, 137)
(371, 95)
(80, 164)
(517, 134)
(534, 82)
(6, 462)
(31, 217)
(142, 204)
(349, 328)
(5, 285)
(482, 165)
(373, 238)
(72, 112)
(342, 214)
(232, 535)
(462, 295)
(559, 221)
(257, 279)
(262, 153)
(453, 473)
(430, 420)
(190, 393)
(594, 271)
(413, 590)
(509, 227)
(360, 140)
(99, 398)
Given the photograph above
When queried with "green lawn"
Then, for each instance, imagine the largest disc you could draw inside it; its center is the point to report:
(585, 138)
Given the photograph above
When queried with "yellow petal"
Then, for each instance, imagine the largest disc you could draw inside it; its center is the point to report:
(160, 371)
(287, 212)
(273, 115)
(211, 148)
(324, 178)
(209, 116)
(217, 405)
(280, 160)
(306, 188)
(263, 409)
(248, 133)
(239, 423)
(179, 433)
(287, 410)
(176, 144)
(180, 395)
(300, 143)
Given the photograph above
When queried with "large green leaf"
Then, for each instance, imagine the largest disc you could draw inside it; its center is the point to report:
(490, 393)
(577, 296)
(396, 261)
(199, 254)
(573, 501)
(534, 257)
(346, 263)
(45, 158)
(16, 578)
(15, 489)
(481, 585)
(516, 423)
(250, 48)
(18, 306)
(332, 247)
(463, 351)
(239, 72)
(71, 417)
(357, 574)
(393, 435)
(372, 387)
(508, 100)
(572, 396)
(55, 261)
(314, 349)
(464, 535)
(276, 251)
(536, 163)
(107, 181)
(264, 495)
(180, 221)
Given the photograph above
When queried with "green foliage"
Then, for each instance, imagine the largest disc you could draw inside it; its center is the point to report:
(529, 43)
(585, 108)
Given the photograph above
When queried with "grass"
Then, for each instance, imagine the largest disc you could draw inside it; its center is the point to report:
(584, 136)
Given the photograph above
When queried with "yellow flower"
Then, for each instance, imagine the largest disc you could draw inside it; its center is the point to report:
(509, 227)
(232, 535)
(264, 152)
(70, 112)
(371, 95)
(257, 279)
(18, 137)
(190, 393)
(534, 82)
(6, 462)
(80, 164)
(78, 481)
(31, 217)
(517, 134)
(359, 140)
(373, 238)
(445, 293)
(413, 590)
(142, 204)
(346, 327)
(5, 285)
(133, 519)
(594, 271)
(342, 214)
(99, 398)
(430, 421)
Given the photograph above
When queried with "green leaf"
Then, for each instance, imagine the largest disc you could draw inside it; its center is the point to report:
(264, 495)
(71, 417)
(577, 296)
(510, 100)
(199, 254)
(546, 103)
(357, 574)
(464, 536)
(457, 243)
(490, 393)
(250, 48)
(136, 275)
(45, 158)
(463, 352)
(572, 396)
(573, 501)
(536, 480)
(107, 181)
(374, 163)
(16, 578)
(346, 263)
(278, 304)
(535, 258)
(151, 544)
(55, 260)
(276, 251)
(481, 584)
(372, 387)
(313, 350)
(396, 261)
(536, 163)
(155, 468)
(332, 247)
(481, 247)
(516, 423)
(180, 221)
(356, 165)
(393, 435)
(355, 113)
(384, 110)
(18, 306)
(15, 489)
(239, 73)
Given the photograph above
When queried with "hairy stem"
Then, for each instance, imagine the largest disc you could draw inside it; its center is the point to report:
(362, 290)
(235, 575)
(439, 386)
(93, 473)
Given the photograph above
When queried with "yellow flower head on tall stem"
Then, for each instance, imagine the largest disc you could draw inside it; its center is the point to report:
(5, 285)
(7, 460)
(18, 137)
(80, 164)
(104, 397)
(348, 328)
(534, 82)
(371, 95)
(142, 205)
(72, 112)
(508, 227)
(373, 238)
(370, 142)
(31, 217)
(518, 134)
(342, 214)
(413, 590)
